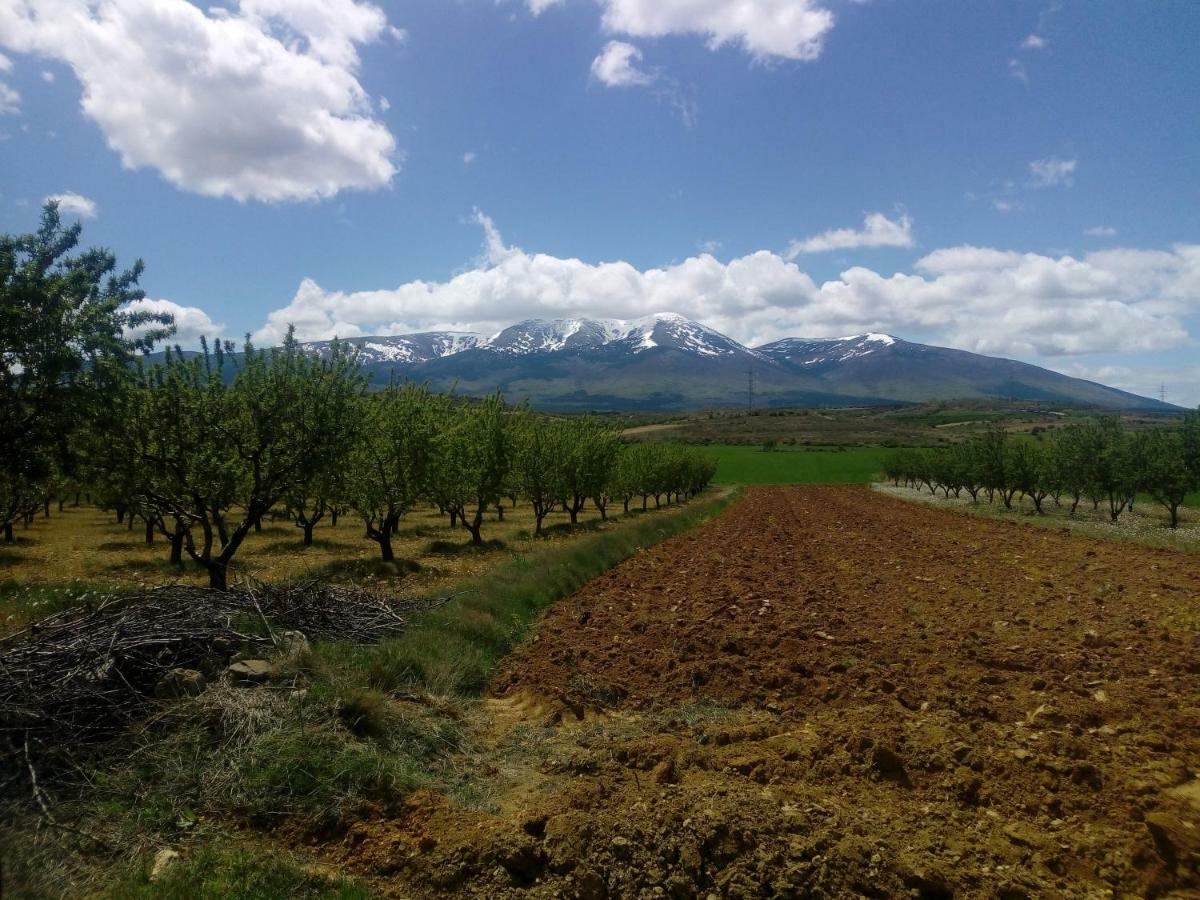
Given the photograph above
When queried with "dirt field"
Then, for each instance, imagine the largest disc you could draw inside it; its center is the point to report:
(829, 692)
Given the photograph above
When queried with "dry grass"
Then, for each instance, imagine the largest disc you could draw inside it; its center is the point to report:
(1146, 525)
(83, 549)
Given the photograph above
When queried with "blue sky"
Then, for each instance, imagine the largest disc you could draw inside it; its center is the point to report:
(1020, 179)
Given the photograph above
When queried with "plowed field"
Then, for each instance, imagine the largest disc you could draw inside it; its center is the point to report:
(828, 692)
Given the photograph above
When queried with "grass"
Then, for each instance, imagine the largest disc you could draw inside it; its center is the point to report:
(226, 871)
(1147, 525)
(789, 465)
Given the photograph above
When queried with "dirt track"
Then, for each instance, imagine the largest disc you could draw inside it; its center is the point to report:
(828, 692)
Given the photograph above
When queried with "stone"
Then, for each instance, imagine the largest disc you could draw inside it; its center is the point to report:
(664, 772)
(250, 671)
(164, 861)
(1092, 639)
(179, 683)
(292, 644)
(889, 765)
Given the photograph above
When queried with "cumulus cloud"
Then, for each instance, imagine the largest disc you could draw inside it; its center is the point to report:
(976, 298)
(877, 231)
(1052, 172)
(1100, 231)
(257, 101)
(191, 322)
(1034, 42)
(537, 7)
(617, 66)
(766, 29)
(72, 204)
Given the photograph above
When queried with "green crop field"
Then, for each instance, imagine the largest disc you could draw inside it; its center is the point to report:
(752, 465)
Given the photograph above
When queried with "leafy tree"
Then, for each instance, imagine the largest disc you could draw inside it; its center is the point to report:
(66, 338)
(1164, 471)
(392, 461)
(474, 456)
(538, 455)
(235, 450)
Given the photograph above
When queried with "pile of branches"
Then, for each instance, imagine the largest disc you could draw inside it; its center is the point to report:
(85, 673)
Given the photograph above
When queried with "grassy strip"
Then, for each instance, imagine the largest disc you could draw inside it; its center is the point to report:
(1147, 528)
(789, 465)
(454, 650)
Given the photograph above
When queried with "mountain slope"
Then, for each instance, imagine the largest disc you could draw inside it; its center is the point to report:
(666, 361)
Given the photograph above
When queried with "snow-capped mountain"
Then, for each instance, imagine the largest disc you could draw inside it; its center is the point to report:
(666, 330)
(666, 361)
(411, 349)
(805, 352)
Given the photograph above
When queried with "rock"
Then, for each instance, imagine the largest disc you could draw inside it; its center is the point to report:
(164, 861)
(179, 683)
(664, 772)
(1189, 792)
(1092, 639)
(1175, 841)
(889, 765)
(250, 671)
(292, 644)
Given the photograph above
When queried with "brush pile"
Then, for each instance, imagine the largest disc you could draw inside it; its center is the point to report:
(84, 673)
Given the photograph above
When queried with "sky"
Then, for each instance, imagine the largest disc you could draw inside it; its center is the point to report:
(1014, 178)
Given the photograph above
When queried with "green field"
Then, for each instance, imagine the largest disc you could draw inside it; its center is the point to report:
(753, 465)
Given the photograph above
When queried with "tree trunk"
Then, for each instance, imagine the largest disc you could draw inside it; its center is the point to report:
(61, 501)
(383, 536)
(475, 526)
(453, 519)
(333, 517)
(8, 533)
(218, 575)
(308, 531)
(626, 506)
(177, 545)
(46, 507)
(500, 511)
(150, 530)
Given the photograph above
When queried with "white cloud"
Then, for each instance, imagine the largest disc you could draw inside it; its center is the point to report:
(385, 104)
(258, 101)
(1182, 383)
(1100, 231)
(1003, 205)
(976, 298)
(617, 66)
(709, 247)
(766, 29)
(877, 231)
(73, 204)
(10, 100)
(1016, 69)
(1052, 172)
(191, 322)
(1034, 42)
(469, 157)
(537, 7)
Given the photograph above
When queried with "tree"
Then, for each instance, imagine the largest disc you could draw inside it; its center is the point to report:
(538, 455)
(1164, 471)
(219, 449)
(67, 336)
(474, 456)
(392, 461)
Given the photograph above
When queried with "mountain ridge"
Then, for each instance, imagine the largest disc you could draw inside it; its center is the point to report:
(667, 361)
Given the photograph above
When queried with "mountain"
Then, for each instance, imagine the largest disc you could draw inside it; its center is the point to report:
(666, 361)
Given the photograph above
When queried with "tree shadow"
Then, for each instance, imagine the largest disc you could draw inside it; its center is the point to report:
(353, 569)
(460, 548)
(295, 544)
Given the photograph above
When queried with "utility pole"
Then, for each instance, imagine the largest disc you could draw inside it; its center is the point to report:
(749, 391)
(1162, 393)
